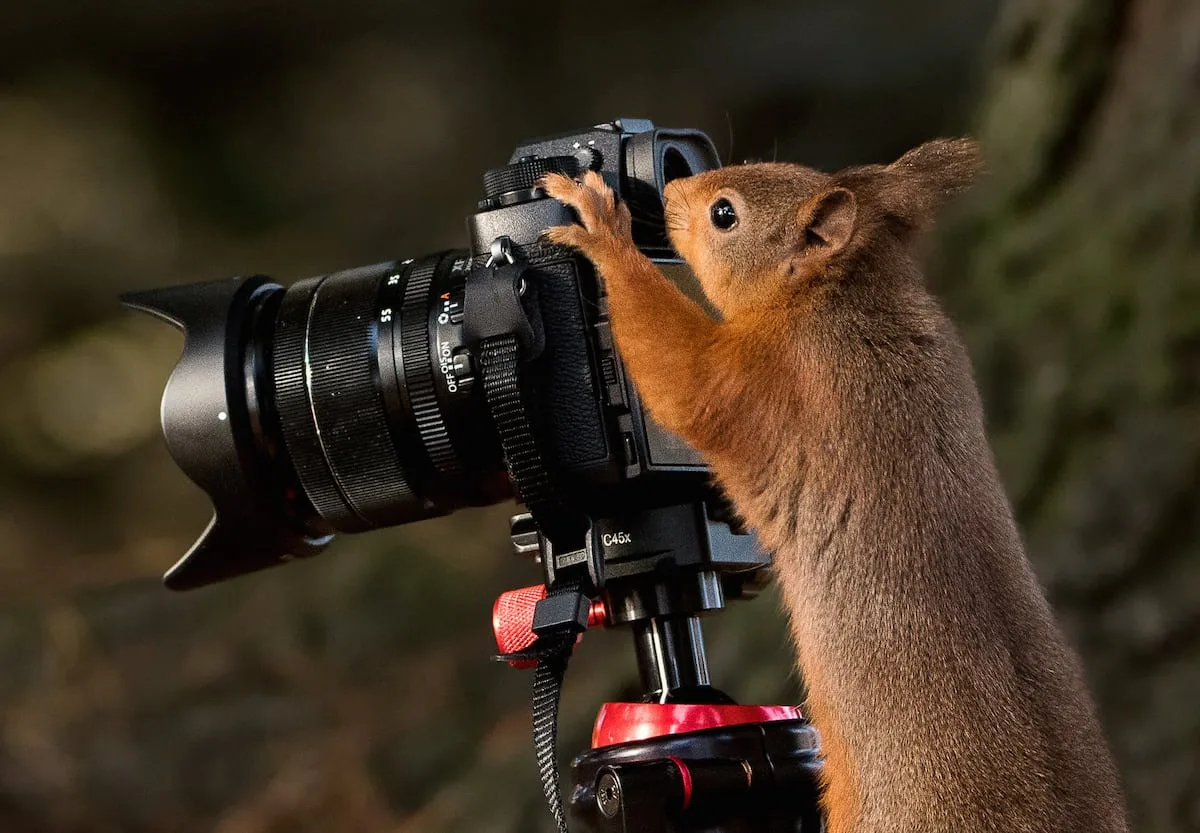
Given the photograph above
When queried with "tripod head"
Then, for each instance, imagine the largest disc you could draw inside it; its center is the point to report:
(686, 757)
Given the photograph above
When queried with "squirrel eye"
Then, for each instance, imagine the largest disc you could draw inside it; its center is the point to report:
(722, 214)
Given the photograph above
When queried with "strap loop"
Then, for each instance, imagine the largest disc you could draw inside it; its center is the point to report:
(499, 329)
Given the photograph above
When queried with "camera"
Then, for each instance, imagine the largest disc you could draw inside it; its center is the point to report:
(359, 399)
(405, 390)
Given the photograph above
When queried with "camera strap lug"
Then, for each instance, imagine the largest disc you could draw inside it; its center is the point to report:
(502, 249)
(498, 300)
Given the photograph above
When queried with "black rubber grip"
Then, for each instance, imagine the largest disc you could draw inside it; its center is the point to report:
(347, 400)
(291, 371)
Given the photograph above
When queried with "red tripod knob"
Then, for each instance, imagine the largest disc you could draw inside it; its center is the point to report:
(512, 620)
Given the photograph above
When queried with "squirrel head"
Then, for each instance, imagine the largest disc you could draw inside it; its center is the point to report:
(783, 223)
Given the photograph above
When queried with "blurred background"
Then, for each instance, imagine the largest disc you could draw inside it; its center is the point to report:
(153, 143)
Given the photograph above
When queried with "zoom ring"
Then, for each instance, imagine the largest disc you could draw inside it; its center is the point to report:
(296, 413)
(418, 369)
(347, 399)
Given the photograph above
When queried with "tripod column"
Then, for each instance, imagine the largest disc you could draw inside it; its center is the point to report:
(671, 660)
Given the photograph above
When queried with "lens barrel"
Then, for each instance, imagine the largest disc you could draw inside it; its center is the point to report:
(366, 394)
(329, 394)
(342, 404)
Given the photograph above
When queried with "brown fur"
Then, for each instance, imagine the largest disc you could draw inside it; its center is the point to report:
(836, 406)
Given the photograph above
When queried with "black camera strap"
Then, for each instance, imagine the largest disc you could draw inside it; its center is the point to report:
(503, 341)
(547, 693)
(559, 619)
(503, 327)
(500, 369)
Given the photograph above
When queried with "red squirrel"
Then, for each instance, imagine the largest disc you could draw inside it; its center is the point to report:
(836, 406)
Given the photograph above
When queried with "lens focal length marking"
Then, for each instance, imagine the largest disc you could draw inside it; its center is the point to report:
(397, 398)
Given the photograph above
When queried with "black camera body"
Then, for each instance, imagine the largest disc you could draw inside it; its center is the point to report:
(599, 430)
(356, 400)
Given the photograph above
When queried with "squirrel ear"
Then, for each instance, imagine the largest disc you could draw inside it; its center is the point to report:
(828, 219)
(931, 173)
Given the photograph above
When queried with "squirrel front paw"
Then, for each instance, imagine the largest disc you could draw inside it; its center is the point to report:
(606, 224)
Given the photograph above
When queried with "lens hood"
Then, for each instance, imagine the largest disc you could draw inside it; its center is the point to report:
(213, 429)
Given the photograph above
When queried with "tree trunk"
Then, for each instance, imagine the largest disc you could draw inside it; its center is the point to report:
(1075, 274)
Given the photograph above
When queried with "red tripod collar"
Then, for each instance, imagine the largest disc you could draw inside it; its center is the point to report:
(625, 722)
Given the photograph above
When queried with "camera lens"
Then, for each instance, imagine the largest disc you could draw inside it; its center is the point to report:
(379, 425)
(343, 403)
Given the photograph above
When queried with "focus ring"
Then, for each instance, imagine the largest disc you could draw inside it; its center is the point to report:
(347, 399)
(300, 432)
(418, 368)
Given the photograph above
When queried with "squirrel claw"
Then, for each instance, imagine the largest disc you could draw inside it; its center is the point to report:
(604, 222)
